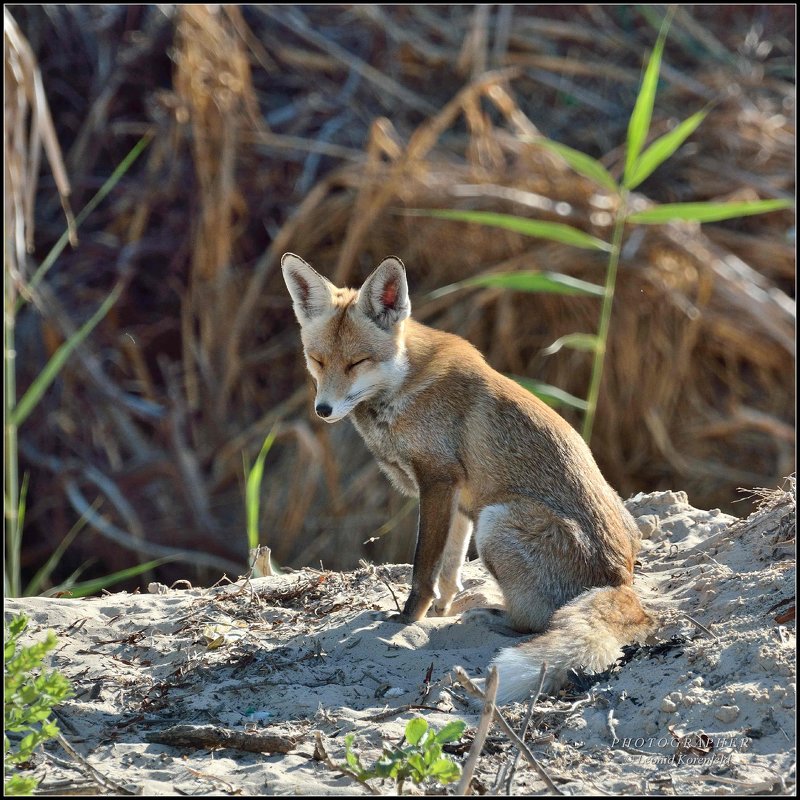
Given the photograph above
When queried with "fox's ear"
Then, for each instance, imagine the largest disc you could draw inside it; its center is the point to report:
(311, 293)
(384, 295)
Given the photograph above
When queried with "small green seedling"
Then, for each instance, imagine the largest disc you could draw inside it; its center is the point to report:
(420, 760)
(29, 696)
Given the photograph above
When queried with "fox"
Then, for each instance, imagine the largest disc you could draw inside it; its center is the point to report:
(486, 458)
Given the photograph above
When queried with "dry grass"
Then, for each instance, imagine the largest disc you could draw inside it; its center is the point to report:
(312, 129)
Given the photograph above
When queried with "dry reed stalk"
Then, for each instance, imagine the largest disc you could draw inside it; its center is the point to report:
(22, 145)
(309, 131)
(28, 128)
(699, 282)
(215, 99)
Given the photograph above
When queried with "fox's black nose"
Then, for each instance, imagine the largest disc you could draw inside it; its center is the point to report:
(323, 410)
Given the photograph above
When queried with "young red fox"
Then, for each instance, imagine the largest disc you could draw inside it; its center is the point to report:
(480, 452)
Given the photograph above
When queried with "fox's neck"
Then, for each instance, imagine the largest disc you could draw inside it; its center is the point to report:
(403, 375)
(416, 358)
(418, 362)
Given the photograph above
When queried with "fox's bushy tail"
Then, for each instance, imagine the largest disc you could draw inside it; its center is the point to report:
(587, 633)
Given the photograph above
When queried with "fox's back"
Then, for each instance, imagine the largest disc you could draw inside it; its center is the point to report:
(483, 430)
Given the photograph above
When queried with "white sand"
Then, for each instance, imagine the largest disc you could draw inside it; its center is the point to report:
(312, 651)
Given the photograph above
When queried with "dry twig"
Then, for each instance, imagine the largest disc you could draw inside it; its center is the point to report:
(467, 683)
(484, 723)
(208, 736)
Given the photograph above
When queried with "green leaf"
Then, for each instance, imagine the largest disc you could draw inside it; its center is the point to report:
(385, 768)
(14, 531)
(253, 489)
(352, 759)
(706, 212)
(53, 367)
(433, 751)
(86, 588)
(28, 743)
(29, 696)
(546, 282)
(18, 785)
(35, 585)
(445, 771)
(22, 502)
(580, 162)
(639, 123)
(662, 148)
(576, 341)
(49, 730)
(37, 714)
(551, 395)
(102, 192)
(416, 763)
(554, 231)
(415, 730)
(17, 626)
(451, 732)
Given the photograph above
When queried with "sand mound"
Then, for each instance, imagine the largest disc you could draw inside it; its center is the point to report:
(708, 709)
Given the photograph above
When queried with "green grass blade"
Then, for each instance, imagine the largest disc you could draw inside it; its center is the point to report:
(102, 192)
(253, 489)
(35, 584)
(551, 395)
(662, 148)
(706, 212)
(575, 341)
(23, 502)
(12, 571)
(11, 577)
(581, 162)
(639, 123)
(94, 585)
(35, 391)
(547, 282)
(70, 580)
(554, 231)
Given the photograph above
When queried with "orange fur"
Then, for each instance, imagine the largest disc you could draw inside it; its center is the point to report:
(481, 452)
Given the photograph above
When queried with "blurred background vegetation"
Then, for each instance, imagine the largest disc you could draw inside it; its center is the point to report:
(311, 128)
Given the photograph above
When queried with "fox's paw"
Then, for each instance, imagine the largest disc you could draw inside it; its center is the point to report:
(402, 618)
(414, 609)
(441, 610)
(495, 619)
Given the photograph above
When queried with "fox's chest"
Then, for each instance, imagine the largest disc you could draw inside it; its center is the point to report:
(392, 447)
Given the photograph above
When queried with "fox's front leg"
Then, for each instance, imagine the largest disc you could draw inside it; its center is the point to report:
(455, 552)
(435, 508)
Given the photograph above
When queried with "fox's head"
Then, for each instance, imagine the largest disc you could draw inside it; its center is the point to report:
(353, 340)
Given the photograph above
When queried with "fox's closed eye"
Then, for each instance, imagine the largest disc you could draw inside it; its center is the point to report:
(318, 361)
(356, 363)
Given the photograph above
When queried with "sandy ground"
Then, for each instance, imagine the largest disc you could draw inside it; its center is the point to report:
(708, 709)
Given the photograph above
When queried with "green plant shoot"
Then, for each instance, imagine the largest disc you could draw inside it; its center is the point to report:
(253, 478)
(16, 411)
(29, 695)
(421, 760)
(640, 163)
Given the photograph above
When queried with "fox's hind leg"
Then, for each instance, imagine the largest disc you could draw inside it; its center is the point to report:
(531, 553)
(455, 551)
